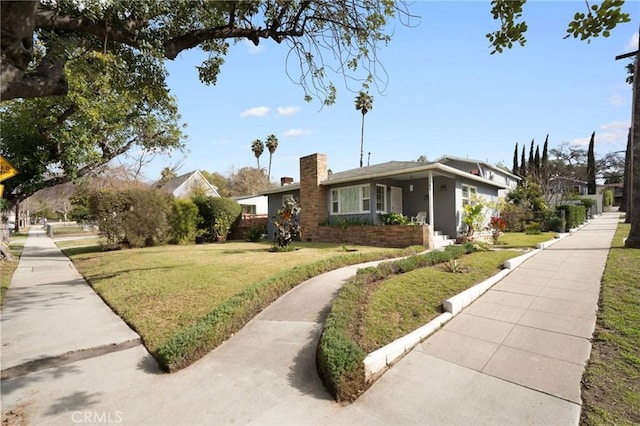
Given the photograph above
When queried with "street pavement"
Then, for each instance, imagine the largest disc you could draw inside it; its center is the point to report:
(513, 357)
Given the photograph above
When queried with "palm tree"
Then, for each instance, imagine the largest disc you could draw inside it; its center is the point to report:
(258, 148)
(272, 145)
(364, 103)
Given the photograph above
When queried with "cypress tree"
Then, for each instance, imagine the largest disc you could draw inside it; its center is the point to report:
(523, 163)
(536, 161)
(530, 166)
(515, 170)
(544, 164)
(591, 166)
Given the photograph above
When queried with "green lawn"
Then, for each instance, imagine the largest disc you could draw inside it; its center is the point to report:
(520, 239)
(161, 290)
(405, 302)
(611, 382)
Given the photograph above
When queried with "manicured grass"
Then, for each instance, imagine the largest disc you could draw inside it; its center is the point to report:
(70, 230)
(7, 268)
(520, 239)
(160, 291)
(611, 382)
(383, 303)
(408, 301)
(80, 242)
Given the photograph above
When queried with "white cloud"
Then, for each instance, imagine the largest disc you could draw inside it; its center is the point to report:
(256, 112)
(609, 134)
(286, 111)
(633, 42)
(252, 49)
(293, 133)
(616, 100)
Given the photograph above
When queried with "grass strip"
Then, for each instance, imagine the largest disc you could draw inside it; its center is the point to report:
(7, 268)
(406, 293)
(611, 381)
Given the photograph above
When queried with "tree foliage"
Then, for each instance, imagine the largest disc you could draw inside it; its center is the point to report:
(108, 110)
(351, 31)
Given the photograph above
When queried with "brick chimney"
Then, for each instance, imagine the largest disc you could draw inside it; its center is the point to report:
(285, 180)
(313, 197)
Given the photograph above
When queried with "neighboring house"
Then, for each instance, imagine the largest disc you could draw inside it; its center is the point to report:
(183, 186)
(256, 205)
(406, 187)
(482, 169)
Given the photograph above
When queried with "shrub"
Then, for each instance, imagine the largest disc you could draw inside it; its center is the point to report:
(573, 215)
(556, 224)
(515, 217)
(394, 219)
(473, 216)
(533, 228)
(145, 216)
(255, 232)
(106, 207)
(183, 220)
(225, 213)
(216, 215)
(497, 226)
(607, 198)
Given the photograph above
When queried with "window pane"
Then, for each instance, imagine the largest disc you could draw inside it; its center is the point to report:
(349, 200)
(381, 199)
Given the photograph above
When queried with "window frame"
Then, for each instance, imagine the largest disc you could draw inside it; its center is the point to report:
(336, 205)
(385, 197)
(471, 192)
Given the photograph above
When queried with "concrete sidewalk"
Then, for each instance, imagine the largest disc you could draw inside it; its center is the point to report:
(515, 356)
(50, 310)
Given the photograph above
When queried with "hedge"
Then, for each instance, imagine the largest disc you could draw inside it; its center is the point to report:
(574, 215)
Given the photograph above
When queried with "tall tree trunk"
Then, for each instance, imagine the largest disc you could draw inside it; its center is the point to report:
(269, 174)
(633, 240)
(362, 141)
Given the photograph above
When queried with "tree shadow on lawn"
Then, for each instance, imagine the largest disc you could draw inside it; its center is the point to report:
(94, 279)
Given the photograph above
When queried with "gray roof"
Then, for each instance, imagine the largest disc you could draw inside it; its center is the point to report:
(175, 183)
(375, 170)
(445, 158)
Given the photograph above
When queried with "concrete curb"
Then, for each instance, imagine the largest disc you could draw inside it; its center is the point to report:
(380, 360)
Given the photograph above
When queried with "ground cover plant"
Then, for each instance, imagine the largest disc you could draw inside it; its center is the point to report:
(611, 381)
(8, 267)
(381, 304)
(185, 300)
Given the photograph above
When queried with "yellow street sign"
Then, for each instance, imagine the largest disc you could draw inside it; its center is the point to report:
(1, 190)
(6, 169)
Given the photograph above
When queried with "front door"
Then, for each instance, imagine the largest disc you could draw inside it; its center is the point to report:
(396, 200)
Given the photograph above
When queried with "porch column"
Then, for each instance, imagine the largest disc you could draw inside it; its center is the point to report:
(431, 199)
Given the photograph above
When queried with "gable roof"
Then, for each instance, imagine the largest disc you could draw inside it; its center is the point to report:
(476, 163)
(173, 184)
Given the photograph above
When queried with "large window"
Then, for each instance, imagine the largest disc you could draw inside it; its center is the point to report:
(468, 194)
(351, 199)
(358, 199)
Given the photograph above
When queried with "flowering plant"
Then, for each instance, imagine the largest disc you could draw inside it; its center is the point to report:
(497, 226)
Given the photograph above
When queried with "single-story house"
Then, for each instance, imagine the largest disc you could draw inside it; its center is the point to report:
(184, 185)
(435, 190)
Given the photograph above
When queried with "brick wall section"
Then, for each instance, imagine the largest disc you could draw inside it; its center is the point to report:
(313, 197)
(399, 236)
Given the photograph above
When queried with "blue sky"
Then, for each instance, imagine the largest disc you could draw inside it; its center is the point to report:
(446, 94)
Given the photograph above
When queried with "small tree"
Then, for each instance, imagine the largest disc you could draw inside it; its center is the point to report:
(183, 220)
(287, 224)
(225, 212)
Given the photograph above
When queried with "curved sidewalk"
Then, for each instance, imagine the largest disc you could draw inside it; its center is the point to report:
(514, 356)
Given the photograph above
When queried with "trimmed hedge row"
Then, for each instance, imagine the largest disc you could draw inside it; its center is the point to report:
(574, 215)
(191, 343)
(339, 358)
